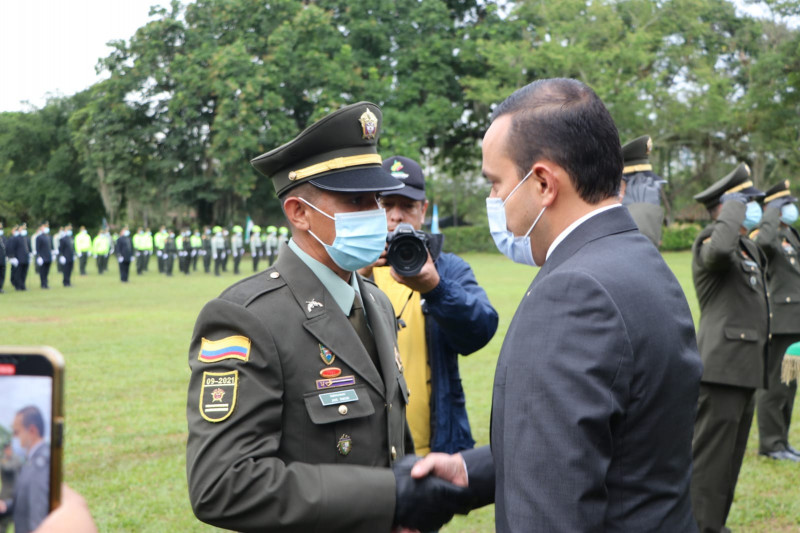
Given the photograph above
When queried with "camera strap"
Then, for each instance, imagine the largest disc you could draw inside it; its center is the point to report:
(400, 322)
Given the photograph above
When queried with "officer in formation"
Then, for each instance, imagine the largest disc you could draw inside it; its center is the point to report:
(44, 254)
(169, 252)
(271, 244)
(183, 246)
(66, 255)
(729, 273)
(83, 249)
(780, 242)
(205, 249)
(441, 312)
(18, 248)
(256, 246)
(3, 258)
(296, 401)
(138, 249)
(196, 243)
(640, 188)
(218, 249)
(159, 242)
(125, 253)
(237, 247)
(101, 248)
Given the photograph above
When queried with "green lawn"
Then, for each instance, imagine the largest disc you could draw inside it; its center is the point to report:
(125, 347)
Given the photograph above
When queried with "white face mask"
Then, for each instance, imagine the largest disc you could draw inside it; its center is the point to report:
(518, 249)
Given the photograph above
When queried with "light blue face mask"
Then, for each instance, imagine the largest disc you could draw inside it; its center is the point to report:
(752, 216)
(360, 237)
(518, 249)
(789, 214)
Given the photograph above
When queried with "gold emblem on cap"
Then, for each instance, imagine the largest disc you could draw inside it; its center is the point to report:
(369, 124)
(649, 145)
(747, 168)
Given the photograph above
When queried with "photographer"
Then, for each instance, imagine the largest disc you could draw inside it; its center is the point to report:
(441, 312)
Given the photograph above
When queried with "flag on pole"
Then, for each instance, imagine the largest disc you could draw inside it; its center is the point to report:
(435, 219)
(247, 227)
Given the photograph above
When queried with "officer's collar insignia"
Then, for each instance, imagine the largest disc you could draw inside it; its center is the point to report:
(311, 304)
(345, 444)
(326, 355)
(218, 395)
(369, 124)
(234, 347)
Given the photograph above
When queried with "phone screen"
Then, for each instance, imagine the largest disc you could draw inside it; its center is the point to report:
(31, 425)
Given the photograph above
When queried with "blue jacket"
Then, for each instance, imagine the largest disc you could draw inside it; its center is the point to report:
(458, 320)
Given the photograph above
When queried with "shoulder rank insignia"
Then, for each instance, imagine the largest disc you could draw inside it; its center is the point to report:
(369, 124)
(218, 395)
(326, 355)
(312, 304)
(235, 347)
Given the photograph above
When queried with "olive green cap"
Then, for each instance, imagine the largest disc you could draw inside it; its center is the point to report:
(635, 155)
(737, 181)
(779, 190)
(337, 153)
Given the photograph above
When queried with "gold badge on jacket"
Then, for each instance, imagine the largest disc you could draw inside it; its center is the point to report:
(345, 444)
(218, 395)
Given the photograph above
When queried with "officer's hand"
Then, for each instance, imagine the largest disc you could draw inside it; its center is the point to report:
(119, 259)
(62, 259)
(367, 270)
(642, 189)
(39, 261)
(734, 197)
(778, 203)
(425, 281)
(425, 504)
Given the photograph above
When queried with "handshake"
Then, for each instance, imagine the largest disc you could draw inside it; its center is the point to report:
(430, 491)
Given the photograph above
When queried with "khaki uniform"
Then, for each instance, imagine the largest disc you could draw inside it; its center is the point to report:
(728, 272)
(781, 244)
(276, 458)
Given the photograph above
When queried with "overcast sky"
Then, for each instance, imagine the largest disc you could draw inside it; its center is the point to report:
(52, 46)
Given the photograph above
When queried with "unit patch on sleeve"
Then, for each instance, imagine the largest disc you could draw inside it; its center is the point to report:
(235, 347)
(218, 395)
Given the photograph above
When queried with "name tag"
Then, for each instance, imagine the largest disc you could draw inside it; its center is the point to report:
(335, 398)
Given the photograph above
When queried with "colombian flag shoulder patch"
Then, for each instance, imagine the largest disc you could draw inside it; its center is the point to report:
(235, 347)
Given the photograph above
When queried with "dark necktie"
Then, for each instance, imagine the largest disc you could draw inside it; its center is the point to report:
(359, 321)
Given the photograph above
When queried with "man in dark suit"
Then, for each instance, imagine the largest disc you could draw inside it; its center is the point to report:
(728, 272)
(31, 501)
(124, 249)
(296, 403)
(19, 249)
(780, 242)
(597, 381)
(66, 255)
(3, 257)
(44, 254)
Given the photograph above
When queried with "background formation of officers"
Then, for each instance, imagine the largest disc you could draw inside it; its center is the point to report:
(21, 253)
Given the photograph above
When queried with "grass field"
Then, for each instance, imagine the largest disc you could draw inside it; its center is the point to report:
(126, 351)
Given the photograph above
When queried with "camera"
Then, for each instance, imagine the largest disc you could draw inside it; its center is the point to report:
(407, 249)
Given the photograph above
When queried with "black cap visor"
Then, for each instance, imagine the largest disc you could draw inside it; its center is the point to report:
(352, 180)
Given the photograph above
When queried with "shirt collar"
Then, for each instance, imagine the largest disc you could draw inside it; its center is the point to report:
(343, 293)
(563, 235)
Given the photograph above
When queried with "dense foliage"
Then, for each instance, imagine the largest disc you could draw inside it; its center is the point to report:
(203, 87)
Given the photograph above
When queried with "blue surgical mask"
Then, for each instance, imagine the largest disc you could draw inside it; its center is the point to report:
(17, 448)
(518, 249)
(788, 214)
(752, 215)
(23, 232)
(360, 237)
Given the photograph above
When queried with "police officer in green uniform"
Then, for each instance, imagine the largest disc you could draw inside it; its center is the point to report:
(729, 277)
(296, 403)
(781, 244)
(640, 189)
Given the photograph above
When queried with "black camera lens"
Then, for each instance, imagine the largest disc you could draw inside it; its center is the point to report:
(407, 254)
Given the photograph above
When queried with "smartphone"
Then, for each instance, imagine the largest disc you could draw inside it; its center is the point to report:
(31, 431)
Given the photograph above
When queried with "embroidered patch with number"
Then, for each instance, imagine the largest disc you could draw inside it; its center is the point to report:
(218, 395)
(235, 347)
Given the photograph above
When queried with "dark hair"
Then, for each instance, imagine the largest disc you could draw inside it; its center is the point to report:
(31, 416)
(563, 120)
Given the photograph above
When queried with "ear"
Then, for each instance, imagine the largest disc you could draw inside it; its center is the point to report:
(297, 213)
(548, 176)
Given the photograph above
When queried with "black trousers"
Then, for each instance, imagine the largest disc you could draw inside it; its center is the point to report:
(774, 405)
(83, 259)
(66, 269)
(162, 261)
(207, 262)
(724, 415)
(139, 262)
(169, 261)
(124, 269)
(2, 274)
(19, 276)
(44, 272)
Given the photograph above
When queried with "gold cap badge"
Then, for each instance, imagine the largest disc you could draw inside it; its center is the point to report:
(369, 124)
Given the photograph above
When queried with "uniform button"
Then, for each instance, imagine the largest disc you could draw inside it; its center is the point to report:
(741, 335)
(275, 275)
(770, 315)
(770, 336)
(788, 299)
(342, 409)
(394, 453)
(389, 406)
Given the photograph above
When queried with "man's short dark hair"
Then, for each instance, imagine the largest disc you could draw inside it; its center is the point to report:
(564, 121)
(31, 416)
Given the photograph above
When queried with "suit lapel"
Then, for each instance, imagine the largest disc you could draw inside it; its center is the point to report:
(324, 319)
(383, 331)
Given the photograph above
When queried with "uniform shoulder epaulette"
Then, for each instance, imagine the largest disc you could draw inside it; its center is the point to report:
(245, 291)
(754, 233)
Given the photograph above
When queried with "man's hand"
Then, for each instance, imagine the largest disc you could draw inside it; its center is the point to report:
(367, 270)
(778, 202)
(62, 260)
(448, 467)
(72, 515)
(425, 281)
(425, 504)
(734, 196)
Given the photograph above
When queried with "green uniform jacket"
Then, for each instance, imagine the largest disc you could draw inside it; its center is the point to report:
(275, 462)
(781, 245)
(649, 219)
(728, 272)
